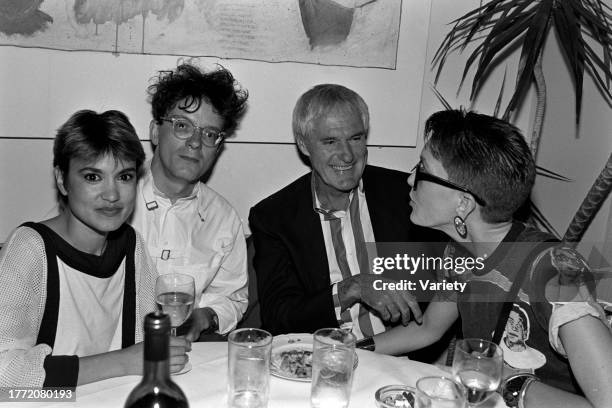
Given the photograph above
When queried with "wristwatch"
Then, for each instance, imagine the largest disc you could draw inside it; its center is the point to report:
(515, 387)
(366, 344)
(214, 324)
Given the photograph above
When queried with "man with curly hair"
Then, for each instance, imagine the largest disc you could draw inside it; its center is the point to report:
(188, 227)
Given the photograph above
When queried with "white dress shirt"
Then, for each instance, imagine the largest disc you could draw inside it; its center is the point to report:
(200, 235)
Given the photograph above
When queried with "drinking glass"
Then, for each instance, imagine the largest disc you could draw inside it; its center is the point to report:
(249, 368)
(439, 392)
(175, 294)
(333, 360)
(478, 365)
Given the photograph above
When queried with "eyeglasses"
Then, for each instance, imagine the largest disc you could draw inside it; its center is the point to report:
(420, 175)
(184, 129)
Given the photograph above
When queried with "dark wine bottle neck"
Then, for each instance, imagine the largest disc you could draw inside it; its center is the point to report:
(159, 371)
(156, 351)
(156, 346)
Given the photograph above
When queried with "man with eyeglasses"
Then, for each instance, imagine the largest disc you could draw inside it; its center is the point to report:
(310, 237)
(188, 227)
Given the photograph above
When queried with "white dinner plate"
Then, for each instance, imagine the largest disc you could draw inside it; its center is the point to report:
(301, 343)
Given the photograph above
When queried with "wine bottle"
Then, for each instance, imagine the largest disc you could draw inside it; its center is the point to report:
(156, 388)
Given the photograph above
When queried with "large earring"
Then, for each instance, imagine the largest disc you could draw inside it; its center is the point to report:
(460, 226)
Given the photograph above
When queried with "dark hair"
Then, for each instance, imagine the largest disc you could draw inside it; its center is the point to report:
(89, 135)
(486, 155)
(190, 86)
(322, 99)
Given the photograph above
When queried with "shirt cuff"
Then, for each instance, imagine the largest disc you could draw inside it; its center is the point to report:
(337, 306)
(229, 311)
(225, 323)
(61, 371)
(565, 312)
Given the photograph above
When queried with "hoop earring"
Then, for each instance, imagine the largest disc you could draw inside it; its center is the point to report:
(460, 226)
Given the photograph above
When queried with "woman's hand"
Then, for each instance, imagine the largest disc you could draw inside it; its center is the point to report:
(179, 347)
(177, 357)
(129, 361)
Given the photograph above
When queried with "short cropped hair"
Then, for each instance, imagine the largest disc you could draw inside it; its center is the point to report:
(190, 86)
(89, 135)
(486, 155)
(323, 99)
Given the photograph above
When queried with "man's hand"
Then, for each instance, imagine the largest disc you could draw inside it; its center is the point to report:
(201, 319)
(391, 305)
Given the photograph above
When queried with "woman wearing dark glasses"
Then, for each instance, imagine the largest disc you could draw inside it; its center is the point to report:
(474, 173)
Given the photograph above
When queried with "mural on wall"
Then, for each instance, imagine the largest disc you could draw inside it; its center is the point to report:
(361, 33)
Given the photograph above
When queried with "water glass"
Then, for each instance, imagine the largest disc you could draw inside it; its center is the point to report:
(439, 392)
(175, 296)
(478, 365)
(249, 368)
(332, 368)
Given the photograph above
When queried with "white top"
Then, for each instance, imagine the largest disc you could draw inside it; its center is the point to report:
(23, 293)
(90, 312)
(200, 235)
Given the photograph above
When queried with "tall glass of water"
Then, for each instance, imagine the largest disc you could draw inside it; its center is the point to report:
(333, 360)
(175, 294)
(249, 368)
(478, 365)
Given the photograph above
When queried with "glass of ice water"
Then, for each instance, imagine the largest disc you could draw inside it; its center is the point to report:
(332, 368)
(249, 368)
(439, 392)
(478, 365)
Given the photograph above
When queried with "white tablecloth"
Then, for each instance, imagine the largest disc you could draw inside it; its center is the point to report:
(206, 384)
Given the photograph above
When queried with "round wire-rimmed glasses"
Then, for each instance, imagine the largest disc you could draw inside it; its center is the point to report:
(184, 129)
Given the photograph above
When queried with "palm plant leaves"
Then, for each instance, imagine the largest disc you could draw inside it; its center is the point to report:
(441, 98)
(500, 24)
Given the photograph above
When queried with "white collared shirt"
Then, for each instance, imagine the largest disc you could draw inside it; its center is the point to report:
(200, 235)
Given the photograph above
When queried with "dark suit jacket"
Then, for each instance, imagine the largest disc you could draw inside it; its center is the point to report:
(290, 258)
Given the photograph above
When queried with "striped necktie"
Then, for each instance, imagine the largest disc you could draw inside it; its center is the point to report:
(365, 324)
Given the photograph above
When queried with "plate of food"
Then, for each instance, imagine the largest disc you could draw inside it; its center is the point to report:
(292, 357)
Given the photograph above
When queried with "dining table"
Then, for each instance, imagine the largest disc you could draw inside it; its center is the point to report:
(206, 384)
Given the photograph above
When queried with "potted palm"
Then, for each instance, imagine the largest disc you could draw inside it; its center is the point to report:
(501, 24)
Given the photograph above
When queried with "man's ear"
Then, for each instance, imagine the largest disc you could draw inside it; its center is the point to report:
(59, 181)
(302, 146)
(154, 132)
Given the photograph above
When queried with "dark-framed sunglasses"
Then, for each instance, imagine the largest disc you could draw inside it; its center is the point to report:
(184, 129)
(420, 175)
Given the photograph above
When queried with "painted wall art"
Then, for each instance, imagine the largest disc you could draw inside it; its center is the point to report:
(360, 33)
